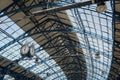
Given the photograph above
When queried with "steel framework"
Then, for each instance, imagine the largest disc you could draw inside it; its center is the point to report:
(70, 37)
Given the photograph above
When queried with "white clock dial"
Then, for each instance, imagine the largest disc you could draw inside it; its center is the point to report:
(32, 50)
(25, 49)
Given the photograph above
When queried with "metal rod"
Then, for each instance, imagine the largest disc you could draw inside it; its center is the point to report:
(57, 9)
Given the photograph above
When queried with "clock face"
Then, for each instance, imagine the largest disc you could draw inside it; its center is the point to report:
(24, 49)
(32, 50)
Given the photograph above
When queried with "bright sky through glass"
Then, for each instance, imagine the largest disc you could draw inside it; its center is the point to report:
(96, 37)
(8, 77)
(44, 66)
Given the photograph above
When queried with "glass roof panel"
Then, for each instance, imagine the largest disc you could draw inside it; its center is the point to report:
(95, 33)
(8, 77)
(95, 36)
(9, 32)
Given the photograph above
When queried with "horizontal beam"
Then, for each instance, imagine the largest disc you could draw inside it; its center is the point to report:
(57, 9)
(24, 35)
(7, 34)
(7, 70)
(93, 35)
(80, 46)
(25, 8)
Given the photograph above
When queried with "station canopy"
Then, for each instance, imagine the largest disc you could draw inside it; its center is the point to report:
(72, 40)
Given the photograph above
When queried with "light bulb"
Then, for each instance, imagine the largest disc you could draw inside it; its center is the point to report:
(97, 55)
(117, 6)
(101, 8)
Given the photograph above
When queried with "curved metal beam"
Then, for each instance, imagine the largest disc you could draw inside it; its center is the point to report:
(57, 9)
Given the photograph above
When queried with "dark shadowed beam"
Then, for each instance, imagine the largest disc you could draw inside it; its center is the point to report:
(115, 66)
(14, 70)
(57, 9)
(10, 8)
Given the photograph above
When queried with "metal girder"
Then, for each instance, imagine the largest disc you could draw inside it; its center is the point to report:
(8, 7)
(107, 41)
(76, 30)
(57, 9)
(68, 46)
(61, 30)
(59, 72)
(6, 33)
(58, 77)
(37, 27)
(115, 65)
(80, 46)
(1, 75)
(20, 37)
(53, 45)
(117, 44)
(32, 5)
(52, 66)
(8, 70)
(62, 46)
(97, 37)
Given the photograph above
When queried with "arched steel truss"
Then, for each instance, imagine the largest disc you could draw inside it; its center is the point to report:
(66, 29)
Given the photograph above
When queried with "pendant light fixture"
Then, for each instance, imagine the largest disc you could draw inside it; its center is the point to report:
(101, 6)
(97, 56)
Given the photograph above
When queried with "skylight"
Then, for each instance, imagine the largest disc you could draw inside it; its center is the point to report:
(9, 32)
(95, 36)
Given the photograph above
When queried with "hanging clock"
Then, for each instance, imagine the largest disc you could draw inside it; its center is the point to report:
(32, 50)
(24, 50)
